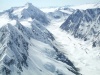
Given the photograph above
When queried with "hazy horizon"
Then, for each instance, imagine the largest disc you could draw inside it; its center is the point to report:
(44, 3)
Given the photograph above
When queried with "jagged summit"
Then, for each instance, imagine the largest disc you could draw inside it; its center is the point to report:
(84, 24)
(25, 12)
(29, 5)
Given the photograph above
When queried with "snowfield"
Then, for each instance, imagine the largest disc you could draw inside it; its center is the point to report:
(84, 56)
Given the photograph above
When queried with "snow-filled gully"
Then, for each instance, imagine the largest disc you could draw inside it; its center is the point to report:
(79, 52)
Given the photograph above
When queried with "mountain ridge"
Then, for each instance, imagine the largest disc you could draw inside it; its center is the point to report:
(27, 47)
(87, 19)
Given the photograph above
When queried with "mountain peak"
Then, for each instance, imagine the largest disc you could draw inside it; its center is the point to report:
(29, 5)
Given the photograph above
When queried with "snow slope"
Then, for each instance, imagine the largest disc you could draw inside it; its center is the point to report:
(26, 11)
(58, 12)
(49, 9)
(27, 47)
(84, 24)
(25, 51)
(84, 56)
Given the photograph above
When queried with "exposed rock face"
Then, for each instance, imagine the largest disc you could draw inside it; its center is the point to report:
(84, 24)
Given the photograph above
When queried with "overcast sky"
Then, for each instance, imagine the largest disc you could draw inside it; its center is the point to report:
(6, 4)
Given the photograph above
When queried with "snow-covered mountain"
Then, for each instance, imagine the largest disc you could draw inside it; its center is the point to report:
(84, 24)
(81, 52)
(84, 50)
(62, 13)
(27, 47)
(37, 42)
(58, 12)
(26, 11)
